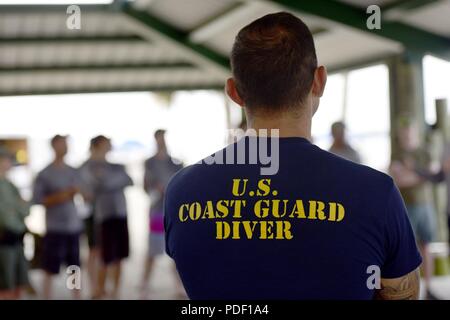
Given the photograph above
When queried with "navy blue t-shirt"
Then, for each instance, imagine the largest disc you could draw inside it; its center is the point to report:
(317, 229)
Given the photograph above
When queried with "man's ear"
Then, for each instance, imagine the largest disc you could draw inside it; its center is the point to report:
(320, 80)
(233, 93)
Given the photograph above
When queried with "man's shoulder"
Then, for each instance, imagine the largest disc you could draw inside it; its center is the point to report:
(45, 171)
(333, 167)
(354, 172)
(87, 163)
(149, 161)
(8, 183)
(71, 168)
(186, 174)
(115, 165)
(153, 159)
(176, 162)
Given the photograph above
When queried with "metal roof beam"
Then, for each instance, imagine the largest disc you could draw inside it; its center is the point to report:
(411, 37)
(360, 64)
(177, 36)
(54, 8)
(164, 88)
(408, 4)
(75, 39)
(209, 28)
(96, 67)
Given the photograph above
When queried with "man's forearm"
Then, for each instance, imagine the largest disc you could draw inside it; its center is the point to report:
(57, 198)
(430, 176)
(404, 288)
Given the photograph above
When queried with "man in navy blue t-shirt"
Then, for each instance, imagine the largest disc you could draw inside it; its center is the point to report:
(277, 217)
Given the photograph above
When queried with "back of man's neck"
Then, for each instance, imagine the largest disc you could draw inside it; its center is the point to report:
(287, 126)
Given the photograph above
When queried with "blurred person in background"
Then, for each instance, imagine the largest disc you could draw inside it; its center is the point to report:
(110, 218)
(340, 146)
(86, 174)
(55, 188)
(158, 171)
(439, 176)
(417, 194)
(13, 210)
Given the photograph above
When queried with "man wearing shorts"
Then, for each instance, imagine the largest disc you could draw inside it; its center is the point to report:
(55, 188)
(111, 223)
(87, 178)
(158, 171)
(417, 193)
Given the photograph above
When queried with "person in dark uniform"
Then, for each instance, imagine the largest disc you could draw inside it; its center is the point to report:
(317, 227)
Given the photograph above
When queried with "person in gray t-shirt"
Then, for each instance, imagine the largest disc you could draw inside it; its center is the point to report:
(108, 182)
(87, 178)
(55, 188)
(443, 175)
(158, 171)
(340, 146)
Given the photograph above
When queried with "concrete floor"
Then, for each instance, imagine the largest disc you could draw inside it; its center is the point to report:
(161, 285)
(440, 287)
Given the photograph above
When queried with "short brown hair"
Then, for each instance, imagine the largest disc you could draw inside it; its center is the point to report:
(57, 138)
(96, 141)
(159, 132)
(273, 61)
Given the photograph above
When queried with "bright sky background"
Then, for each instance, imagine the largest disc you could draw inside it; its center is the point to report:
(366, 113)
(437, 84)
(196, 120)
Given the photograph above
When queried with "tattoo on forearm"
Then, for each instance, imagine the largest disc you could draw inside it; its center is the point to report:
(405, 288)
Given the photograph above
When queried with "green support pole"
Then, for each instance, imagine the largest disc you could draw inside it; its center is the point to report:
(179, 37)
(442, 265)
(408, 104)
(406, 95)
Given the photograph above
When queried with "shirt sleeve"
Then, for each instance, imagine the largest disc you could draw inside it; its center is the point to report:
(86, 183)
(151, 176)
(116, 178)
(148, 179)
(402, 255)
(3, 209)
(39, 190)
(167, 222)
(22, 207)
